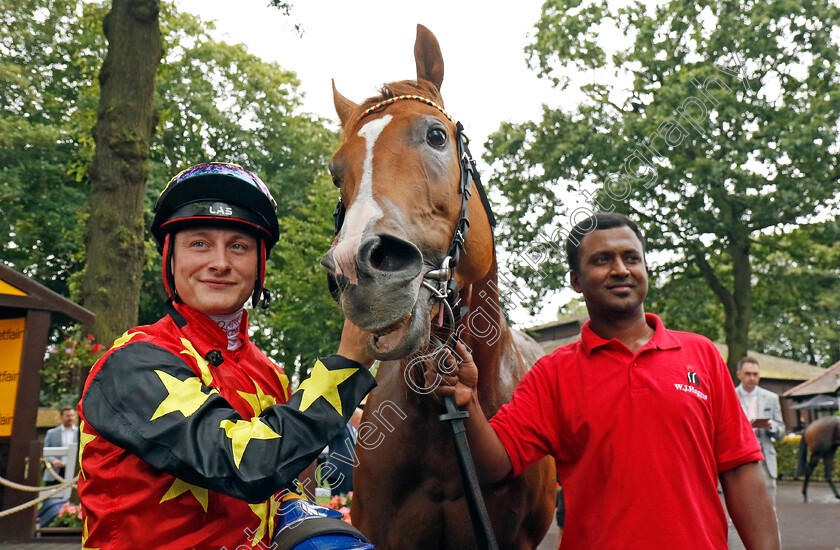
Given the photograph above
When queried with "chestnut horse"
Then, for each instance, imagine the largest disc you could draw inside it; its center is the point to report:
(401, 183)
(821, 438)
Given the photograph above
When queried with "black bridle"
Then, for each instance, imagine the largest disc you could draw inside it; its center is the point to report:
(441, 282)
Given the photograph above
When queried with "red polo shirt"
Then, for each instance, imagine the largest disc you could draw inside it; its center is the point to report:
(639, 439)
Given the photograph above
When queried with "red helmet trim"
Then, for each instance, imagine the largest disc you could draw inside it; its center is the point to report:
(217, 219)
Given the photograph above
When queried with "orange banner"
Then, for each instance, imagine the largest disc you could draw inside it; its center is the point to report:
(11, 347)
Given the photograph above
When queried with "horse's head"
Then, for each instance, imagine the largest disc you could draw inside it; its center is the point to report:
(400, 179)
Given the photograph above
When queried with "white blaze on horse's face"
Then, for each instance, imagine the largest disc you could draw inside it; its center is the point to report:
(364, 210)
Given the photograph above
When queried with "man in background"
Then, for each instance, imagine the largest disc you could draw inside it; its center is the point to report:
(61, 436)
(765, 415)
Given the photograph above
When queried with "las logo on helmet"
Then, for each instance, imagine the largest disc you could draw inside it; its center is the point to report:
(220, 209)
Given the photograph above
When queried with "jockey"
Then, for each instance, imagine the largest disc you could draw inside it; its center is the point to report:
(190, 437)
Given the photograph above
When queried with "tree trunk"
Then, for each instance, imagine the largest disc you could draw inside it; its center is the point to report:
(737, 303)
(737, 331)
(126, 122)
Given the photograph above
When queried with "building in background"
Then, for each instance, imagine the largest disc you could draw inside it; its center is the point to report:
(817, 396)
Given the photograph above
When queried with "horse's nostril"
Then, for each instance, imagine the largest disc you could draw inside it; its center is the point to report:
(392, 254)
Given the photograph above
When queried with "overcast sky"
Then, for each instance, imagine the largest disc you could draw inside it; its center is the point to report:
(363, 44)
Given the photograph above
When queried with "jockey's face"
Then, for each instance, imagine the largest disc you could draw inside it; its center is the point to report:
(215, 269)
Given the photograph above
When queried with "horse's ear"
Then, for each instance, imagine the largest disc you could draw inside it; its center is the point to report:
(343, 106)
(427, 56)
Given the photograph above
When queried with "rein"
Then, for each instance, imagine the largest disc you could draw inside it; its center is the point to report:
(441, 282)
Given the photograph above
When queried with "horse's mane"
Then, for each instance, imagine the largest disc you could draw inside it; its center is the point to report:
(420, 87)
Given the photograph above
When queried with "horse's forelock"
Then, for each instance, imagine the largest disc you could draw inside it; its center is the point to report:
(420, 87)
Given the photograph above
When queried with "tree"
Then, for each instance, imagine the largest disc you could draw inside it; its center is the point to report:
(725, 132)
(216, 101)
(48, 90)
(126, 121)
(799, 323)
(303, 323)
(219, 102)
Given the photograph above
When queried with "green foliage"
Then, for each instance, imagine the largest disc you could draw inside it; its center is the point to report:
(303, 323)
(66, 366)
(795, 296)
(220, 103)
(712, 123)
(48, 92)
(217, 102)
(70, 515)
(683, 300)
(285, 7)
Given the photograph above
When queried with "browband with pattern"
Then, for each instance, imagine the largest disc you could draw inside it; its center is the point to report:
(390, 101)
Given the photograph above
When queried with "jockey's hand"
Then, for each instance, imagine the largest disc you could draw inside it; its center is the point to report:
(352, 345)
(453, 374)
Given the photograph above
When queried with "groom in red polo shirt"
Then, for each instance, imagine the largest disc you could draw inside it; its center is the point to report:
(641, 420)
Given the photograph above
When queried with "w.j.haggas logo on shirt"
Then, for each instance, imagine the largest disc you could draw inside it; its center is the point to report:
(693, 385)
(693, 379)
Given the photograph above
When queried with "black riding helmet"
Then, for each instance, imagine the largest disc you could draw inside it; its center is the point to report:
(220, 195)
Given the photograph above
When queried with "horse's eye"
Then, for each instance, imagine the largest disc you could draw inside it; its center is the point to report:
(337, 180)
(436, 137)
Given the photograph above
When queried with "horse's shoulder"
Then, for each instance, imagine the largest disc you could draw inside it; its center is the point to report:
(529, 350)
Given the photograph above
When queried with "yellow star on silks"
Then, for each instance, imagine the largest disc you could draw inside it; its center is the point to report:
(241, 432)
(179, 487)
(85, 536)
(84, 439)
(185, 396)
(323, 382)
(206, 377)
(258, 401)
(124, 339)
(266, 526)
(284, 380)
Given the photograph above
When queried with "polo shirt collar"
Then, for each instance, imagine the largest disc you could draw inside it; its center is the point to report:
(662, 337)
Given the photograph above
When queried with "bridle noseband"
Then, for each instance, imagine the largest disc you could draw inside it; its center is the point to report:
(441, 281)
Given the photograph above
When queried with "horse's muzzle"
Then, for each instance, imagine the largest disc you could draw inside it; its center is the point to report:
(388, 273)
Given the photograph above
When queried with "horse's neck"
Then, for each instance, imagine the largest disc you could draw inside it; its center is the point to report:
(487, 334)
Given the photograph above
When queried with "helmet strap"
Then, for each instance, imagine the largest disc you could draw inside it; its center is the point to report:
(168, 276)
(259, 285)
